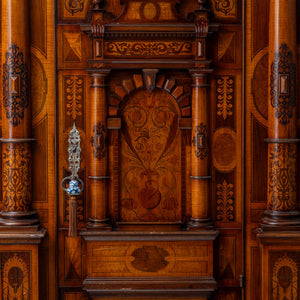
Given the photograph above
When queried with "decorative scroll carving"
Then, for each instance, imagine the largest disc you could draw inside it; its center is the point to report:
(224, 6)
(98, 140)
(15, 85)
(15, 276)
(200, 141)
(282, 177)
(285, 279)
(149, 258)
(225, 201)
(74, 6)
(74, 94)
(283, 84)
(16, 177)
(148, 48)
(225, 92)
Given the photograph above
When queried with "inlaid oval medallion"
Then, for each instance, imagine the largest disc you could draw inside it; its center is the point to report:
(149, 258)
(224, 149)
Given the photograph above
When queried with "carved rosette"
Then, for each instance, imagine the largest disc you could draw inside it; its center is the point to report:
(283, 84)
(200, 141)
(282, 177)
(74, 6)
(224, 6)
(15, 85)
(98, 140)
(16, 180)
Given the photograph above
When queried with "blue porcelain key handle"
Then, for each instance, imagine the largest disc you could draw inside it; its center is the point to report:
(74, 189)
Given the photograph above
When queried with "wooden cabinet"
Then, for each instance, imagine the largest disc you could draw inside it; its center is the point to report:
(187, 116)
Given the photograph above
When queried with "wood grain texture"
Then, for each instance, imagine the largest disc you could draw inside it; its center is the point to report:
(149, 259)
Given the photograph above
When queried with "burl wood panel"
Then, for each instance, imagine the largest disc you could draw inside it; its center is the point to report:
(149, 259)
(150, 158)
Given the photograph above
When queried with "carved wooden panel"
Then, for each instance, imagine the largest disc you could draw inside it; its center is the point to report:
(148, 49)
(284, 275)
(73, 93)
(149, 259)
(71, 261)
(16, 280)
(151, 181)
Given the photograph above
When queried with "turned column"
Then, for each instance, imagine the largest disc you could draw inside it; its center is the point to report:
(200, 153)
(98, 158)
(16, 116)
(281, 211)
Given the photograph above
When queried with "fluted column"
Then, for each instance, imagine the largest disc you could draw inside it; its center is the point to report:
(282, 116)
(98, 158)
(200, 176)
(16, 116)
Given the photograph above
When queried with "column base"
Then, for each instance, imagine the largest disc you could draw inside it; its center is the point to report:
(200, 224)
(19, 218)
(99, 224)
(280, 221)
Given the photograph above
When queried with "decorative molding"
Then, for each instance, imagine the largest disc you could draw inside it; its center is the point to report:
(200, 141)
(16, 177)
(283, 84)
(74, 6)
(148, 48)
(225, 94)
(74, 94)
(282, 177)
(15, 85)
(98, 140)
(285, 279)
(225, 201)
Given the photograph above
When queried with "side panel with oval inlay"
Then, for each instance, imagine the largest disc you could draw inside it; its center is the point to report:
(149, 259)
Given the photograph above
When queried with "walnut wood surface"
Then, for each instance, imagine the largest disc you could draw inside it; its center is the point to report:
(151, 49)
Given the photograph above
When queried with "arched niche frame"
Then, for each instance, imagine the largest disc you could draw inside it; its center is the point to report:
(149, 161)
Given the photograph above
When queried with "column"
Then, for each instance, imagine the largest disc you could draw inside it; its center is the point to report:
(16, 116)
(200, 176)
(98, 158)
(281, 211)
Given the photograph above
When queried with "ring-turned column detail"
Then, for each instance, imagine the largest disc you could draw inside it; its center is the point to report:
(282, 139)
(199, 157)
(16, 117)
(98, 158)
